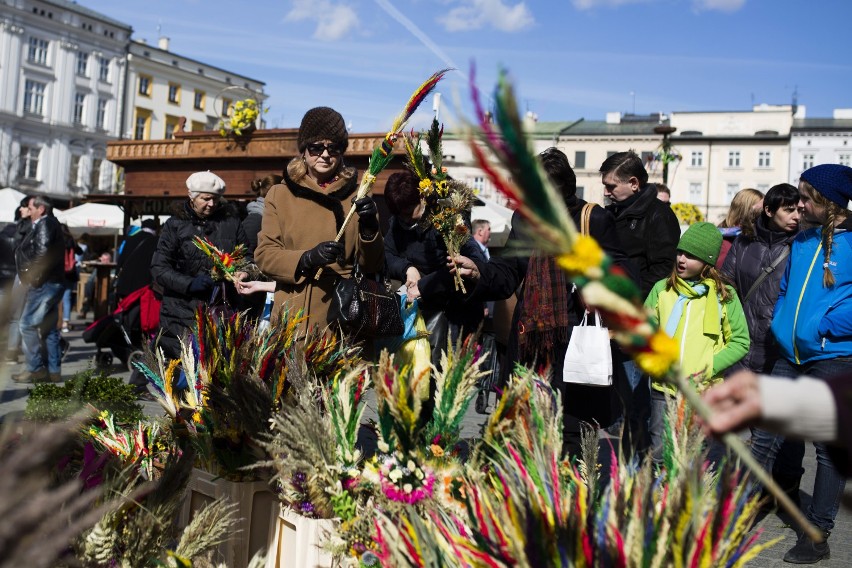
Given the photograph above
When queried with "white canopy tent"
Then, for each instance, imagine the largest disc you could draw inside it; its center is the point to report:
(500, 218)
(93, 218)
(10, 200)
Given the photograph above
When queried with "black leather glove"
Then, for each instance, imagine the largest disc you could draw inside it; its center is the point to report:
(321, 255)
(368, 216)
(201, 284)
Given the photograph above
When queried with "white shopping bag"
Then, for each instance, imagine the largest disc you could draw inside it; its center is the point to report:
(588, 359)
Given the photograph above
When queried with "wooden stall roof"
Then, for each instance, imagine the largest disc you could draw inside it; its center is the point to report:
(159, 168)
(155, 171)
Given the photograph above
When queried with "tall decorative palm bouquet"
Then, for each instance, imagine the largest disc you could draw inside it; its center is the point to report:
(236, 376)
(448, 201)
(383, 153)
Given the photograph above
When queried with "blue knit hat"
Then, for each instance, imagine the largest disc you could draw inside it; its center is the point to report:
(832, 181)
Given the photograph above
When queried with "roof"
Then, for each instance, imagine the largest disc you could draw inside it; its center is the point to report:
(585, 127)
(73, 6)
(542, 130)
(822, 124)
(148, 47)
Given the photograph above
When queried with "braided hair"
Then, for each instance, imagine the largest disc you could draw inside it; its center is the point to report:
(833, 214)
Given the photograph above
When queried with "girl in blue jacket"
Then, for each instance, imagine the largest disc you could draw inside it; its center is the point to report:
(813, 325)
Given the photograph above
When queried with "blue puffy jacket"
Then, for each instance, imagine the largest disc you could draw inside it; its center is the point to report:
(812, 322)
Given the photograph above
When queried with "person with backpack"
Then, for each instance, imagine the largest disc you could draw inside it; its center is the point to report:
(72, 275)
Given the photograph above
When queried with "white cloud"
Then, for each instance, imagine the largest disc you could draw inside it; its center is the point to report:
(333, 21)
(720, 5)
(592, 4)
(698, 5)
(476, 14)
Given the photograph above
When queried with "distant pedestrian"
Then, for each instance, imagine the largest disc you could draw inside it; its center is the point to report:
(40, 266)
(254, 217)
(19, 230)
(664, 194)
(72, 275)
(745, 207)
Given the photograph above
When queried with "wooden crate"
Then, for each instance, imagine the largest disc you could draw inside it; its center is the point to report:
(297, 541)
(257, 512)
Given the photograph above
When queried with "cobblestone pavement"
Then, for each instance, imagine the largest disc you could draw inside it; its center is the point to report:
(80, 357)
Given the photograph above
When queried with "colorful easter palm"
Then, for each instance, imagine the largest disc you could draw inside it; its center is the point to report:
(604, 286)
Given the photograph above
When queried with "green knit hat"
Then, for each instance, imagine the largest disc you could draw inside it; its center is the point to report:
(703, 241)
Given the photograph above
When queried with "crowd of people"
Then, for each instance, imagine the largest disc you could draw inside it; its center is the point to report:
(766, 292)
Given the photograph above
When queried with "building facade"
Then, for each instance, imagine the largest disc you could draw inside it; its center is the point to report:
(62, 68)
(726, 151)
(163, 87)
(72, 79)
(587, 143)
(815, 141)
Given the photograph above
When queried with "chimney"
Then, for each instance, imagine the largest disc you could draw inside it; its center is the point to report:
(163, 43)
(613, 118)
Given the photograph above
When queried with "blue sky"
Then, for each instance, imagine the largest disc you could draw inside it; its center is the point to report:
(569, 59)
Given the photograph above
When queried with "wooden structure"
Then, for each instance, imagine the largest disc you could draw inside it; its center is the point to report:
(155, 171)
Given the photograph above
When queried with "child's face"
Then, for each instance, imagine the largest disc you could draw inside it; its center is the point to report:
(687, 266)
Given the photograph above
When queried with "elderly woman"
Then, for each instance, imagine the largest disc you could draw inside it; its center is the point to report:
(303, 215)
(179, 267)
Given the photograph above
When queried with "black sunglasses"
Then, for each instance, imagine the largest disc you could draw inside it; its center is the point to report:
(317, 149)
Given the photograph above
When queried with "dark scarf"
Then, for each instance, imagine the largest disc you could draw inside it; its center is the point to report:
(543, 322)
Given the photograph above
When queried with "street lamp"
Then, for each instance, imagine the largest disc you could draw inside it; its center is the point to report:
(666, 131)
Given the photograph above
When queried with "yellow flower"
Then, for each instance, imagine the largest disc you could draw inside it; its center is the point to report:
(437, 450)
(584, 256)
(661, 357)
(425, 186)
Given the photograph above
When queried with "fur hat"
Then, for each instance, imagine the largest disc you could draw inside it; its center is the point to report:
(833, 181)
(205, 182)
(322, 123)
(703, 241)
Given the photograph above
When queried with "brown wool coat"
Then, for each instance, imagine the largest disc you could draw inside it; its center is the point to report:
(297, 216)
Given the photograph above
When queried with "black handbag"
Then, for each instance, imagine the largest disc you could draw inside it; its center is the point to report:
(365, 307)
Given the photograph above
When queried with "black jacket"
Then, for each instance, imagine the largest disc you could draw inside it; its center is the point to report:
(424, 249)
(746, 260)
(134, 263)
(649, 232)
(178, 261)
(252, 222)
(8, 244)
(40, 256)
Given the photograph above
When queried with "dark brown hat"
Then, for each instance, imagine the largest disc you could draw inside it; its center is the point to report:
(322, 123)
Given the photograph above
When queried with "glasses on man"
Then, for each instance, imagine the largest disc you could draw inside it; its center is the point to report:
(317, 149)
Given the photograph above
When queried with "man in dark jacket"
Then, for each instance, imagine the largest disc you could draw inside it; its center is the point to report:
(40, 264)
(180, 268)
(647, 227)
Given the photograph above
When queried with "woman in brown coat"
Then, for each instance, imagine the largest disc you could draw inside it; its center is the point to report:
(303, 215)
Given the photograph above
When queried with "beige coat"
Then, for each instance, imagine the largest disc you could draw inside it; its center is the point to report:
(297, 216)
